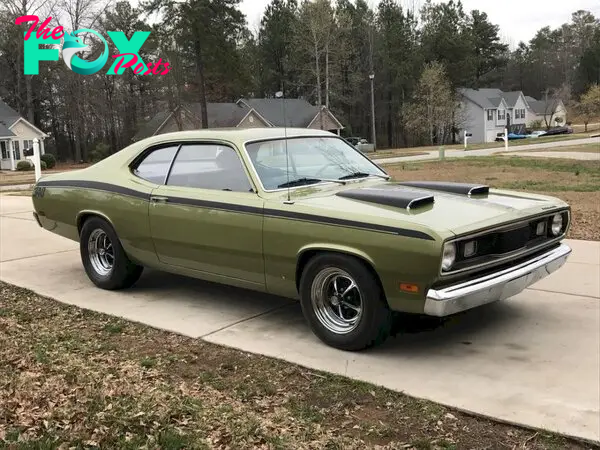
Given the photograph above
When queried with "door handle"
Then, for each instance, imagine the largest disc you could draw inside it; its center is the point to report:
(159, 199)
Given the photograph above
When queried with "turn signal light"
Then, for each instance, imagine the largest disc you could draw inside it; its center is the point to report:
(407, 287)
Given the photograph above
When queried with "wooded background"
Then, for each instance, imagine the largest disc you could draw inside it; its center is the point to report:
(320, 50)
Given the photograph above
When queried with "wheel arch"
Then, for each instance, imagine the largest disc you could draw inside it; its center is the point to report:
(306, 253)
(84, 215)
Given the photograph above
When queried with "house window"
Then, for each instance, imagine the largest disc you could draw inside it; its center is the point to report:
(490, 113)
(4, 147)
(501, 114)
(523, 113)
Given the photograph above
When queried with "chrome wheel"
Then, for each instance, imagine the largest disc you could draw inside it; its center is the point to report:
(336, 300)
(101, 252)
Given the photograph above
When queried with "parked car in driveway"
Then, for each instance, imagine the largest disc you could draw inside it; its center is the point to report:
(536, 134)
(302, 214)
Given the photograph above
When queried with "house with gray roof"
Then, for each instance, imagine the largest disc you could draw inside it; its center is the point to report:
(486, 112)
(546, 111)
(16, 136)
(245, 113)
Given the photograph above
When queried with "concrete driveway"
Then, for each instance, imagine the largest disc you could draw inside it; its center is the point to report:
(533, 359)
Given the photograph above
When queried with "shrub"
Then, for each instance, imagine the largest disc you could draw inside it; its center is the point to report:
(49, 159)
(24, 165)
(536, 125)
(100, 152)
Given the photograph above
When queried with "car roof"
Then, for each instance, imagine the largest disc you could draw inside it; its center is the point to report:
(240, 134)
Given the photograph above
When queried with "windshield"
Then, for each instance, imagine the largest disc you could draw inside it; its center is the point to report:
(310, 160)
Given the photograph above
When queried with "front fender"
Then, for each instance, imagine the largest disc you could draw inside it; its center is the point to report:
(323, 246)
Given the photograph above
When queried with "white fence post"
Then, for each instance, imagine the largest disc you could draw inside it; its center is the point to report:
(506, 139)
(36, 159)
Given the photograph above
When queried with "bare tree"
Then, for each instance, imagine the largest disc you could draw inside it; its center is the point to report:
(434, 111)
(561, 94)
(317, 24)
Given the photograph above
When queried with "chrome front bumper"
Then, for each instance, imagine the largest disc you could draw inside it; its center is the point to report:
(496, 286)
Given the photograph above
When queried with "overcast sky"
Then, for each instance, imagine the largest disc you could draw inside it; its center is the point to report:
(518, 19)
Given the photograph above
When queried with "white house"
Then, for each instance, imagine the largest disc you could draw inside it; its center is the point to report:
(486, 112)
(546, 112)
(16, 136)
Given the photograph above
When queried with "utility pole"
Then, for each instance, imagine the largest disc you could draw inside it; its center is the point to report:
(372, 77)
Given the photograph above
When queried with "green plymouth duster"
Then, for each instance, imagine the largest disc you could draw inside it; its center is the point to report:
(302, 214)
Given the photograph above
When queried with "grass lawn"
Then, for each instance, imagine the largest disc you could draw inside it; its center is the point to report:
(576, 182)
(10, 178)
(72, 378)
(392, 153)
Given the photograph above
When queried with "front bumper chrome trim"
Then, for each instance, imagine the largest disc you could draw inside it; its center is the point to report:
(495, 286)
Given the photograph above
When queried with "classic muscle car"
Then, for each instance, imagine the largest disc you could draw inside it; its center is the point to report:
(302, 214)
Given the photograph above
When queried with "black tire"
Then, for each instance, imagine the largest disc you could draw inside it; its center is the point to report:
(122, 274)
(375, 322)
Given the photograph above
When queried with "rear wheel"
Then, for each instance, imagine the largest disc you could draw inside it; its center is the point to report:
(103, 257)
(343, 302)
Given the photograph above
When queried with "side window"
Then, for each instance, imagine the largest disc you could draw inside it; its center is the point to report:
(155, 166)
(209, 166)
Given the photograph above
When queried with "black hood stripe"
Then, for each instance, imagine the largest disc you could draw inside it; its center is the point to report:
(449, 186)
(239, 208)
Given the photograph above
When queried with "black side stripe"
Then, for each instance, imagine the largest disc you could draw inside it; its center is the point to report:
(241, 208)
(97, 185)
(214, 205)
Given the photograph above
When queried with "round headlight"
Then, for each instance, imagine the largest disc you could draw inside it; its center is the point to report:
(557, 224)
(449, 256)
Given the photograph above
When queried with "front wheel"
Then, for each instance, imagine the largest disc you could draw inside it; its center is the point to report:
(343, 302)
(103, 257)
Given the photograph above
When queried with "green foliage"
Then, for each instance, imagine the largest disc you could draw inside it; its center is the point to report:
(276, 45)
(49, 159)
(590, 103)
(24, 164)
(100, 152)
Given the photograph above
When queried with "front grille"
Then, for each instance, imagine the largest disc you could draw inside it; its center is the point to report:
(510, 241)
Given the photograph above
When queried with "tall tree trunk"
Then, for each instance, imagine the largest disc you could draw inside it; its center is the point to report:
(201, 81)
(318, 72)
(327, 75)
(390, 131)
(30, 107)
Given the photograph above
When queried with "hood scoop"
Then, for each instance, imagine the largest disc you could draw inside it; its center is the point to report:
(447, 186)
(399, 198)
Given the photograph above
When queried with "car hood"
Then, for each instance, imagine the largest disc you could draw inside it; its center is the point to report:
(445, 208)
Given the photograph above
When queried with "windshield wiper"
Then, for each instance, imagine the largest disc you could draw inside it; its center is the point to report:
(305, 181)
(362, 175)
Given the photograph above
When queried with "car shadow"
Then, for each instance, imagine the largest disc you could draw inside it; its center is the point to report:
(411, 333)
